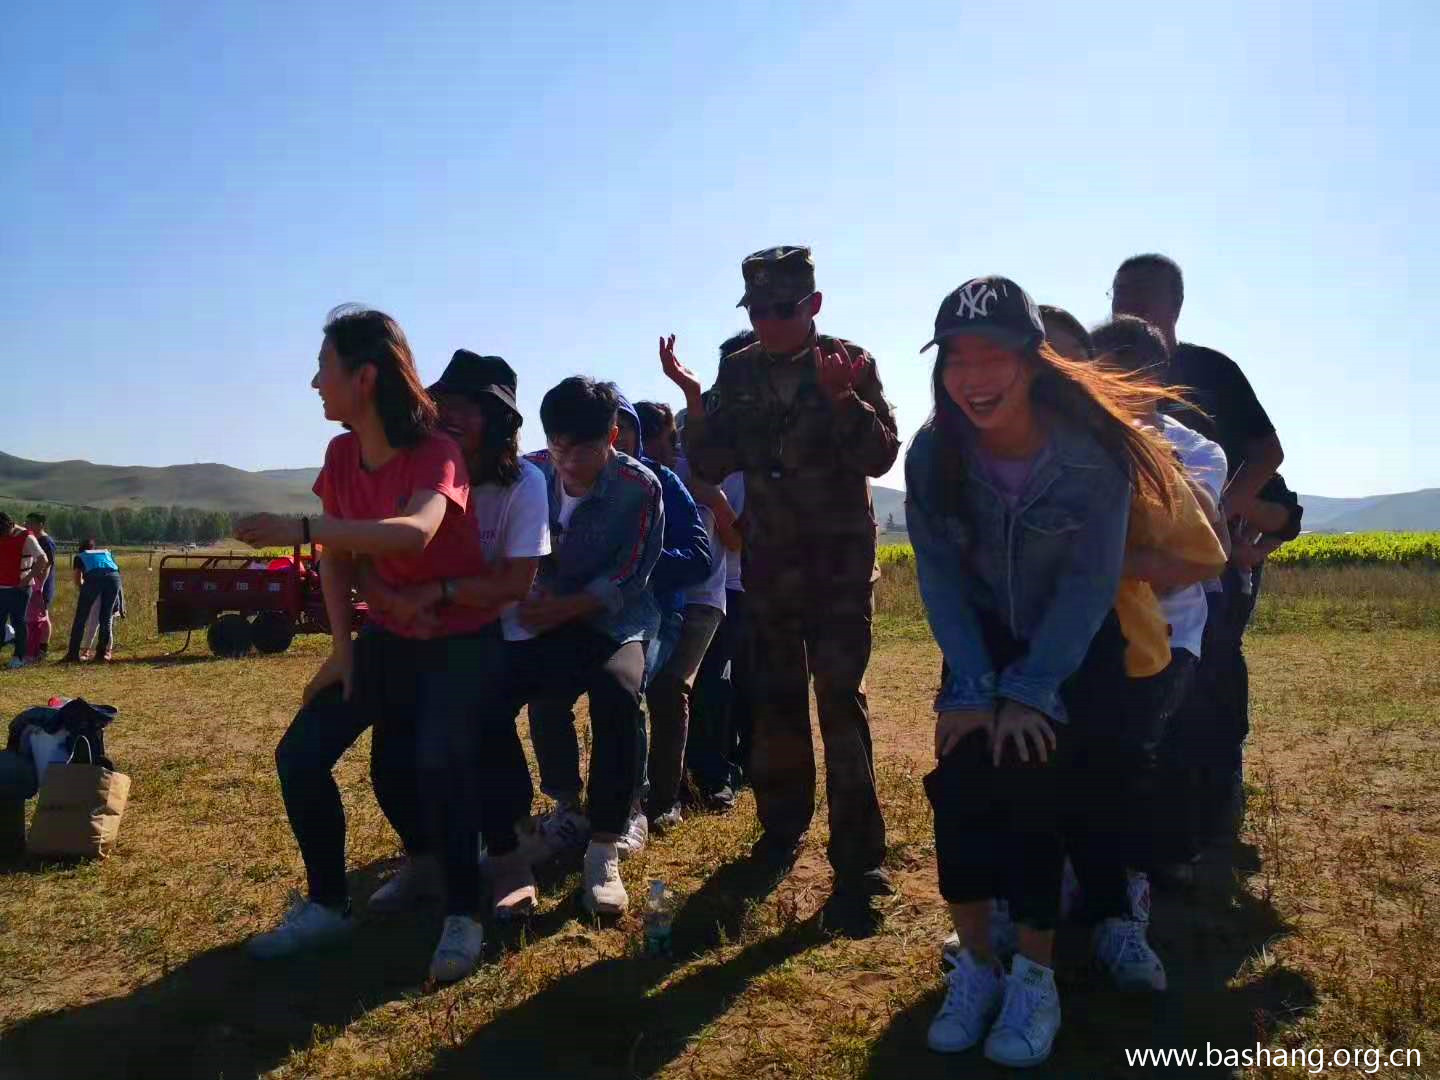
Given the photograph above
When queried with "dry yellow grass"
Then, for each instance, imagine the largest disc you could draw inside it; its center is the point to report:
(1326, 936)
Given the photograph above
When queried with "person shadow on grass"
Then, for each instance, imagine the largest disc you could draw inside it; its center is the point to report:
(1205, 934)
(612, 1020)
(223, 1013)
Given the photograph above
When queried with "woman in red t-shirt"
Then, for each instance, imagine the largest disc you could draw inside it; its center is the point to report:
(394, 491)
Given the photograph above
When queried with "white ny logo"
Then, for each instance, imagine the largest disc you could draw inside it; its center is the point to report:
(976, 300)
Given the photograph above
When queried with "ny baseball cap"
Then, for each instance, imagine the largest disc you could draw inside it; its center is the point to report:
(992, 307)
(469, 375)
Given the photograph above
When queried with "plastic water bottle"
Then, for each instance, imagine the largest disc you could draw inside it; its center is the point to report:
(658, 919)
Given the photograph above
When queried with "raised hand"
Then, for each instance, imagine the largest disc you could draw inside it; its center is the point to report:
(268, 530)
(838, 372)
(677, 372)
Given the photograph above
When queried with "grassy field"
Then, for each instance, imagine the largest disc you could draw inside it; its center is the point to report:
(1325, 934)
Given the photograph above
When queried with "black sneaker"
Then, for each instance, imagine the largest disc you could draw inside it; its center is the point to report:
(777, 854)
(871, 883)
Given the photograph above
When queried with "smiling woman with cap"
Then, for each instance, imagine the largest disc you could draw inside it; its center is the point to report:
(1018, 492)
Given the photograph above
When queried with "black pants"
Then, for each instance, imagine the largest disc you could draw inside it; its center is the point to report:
(552, 671)
(718, 752)
(998, 829)
(13, 605)
(1204, 752)
(1114, 804)
(436, 774)
(100, 587)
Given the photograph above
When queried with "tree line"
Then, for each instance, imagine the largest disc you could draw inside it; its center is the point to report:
(127, 525)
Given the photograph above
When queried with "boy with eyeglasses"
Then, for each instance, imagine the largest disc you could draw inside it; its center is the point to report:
(592, 613)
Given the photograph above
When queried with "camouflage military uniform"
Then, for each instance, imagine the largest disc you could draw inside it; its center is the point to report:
(809, 568)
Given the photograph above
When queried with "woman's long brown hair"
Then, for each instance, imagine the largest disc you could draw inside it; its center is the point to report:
(1109, 403)
(362, 336)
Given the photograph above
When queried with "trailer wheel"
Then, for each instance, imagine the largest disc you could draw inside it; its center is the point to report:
(229, 637)
(272, 632)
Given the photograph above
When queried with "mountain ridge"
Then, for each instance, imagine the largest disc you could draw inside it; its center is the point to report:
(216, 486)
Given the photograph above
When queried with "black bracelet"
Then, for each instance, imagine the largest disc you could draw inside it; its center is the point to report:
(305, 530)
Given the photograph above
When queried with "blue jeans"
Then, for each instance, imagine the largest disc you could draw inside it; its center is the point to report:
(17, 783)
(100, 587)
(13, 605)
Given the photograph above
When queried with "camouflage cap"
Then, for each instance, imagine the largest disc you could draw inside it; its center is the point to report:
(777, 274)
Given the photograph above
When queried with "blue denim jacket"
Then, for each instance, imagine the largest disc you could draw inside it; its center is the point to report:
(685, 552)
(610, 546)
(1048, 569)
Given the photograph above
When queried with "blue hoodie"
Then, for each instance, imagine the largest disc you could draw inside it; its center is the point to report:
(685, 557)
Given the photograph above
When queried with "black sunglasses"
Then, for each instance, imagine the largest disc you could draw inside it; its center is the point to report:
(780, 309)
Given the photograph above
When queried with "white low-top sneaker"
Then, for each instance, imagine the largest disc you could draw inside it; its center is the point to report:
(1029, 1019)
(410, 886)
(461, 943)
(306, 925)
(637, 835)
(602, 891)
(972, 999)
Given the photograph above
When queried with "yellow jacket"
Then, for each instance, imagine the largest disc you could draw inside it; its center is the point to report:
(1183, 532)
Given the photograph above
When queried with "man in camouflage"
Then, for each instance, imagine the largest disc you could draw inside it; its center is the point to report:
(804, 416)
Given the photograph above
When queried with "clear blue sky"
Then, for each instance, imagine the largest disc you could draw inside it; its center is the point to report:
(188, 188)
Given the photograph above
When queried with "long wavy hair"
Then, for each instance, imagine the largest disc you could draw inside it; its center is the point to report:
(361, 336)
(1097, 397)
(498, 459)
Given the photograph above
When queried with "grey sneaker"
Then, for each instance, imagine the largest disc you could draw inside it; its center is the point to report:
(663, 823)
(1123, 951)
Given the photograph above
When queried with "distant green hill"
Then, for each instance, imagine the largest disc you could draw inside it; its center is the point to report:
(206, 487)
(1410, 511)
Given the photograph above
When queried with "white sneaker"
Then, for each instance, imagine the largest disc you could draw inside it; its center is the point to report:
(972, 999)
(602, 891)
(305, 925)
(1137, 884)
(461, 943)
(562, 828)
(1029, 1018)
(1121, 949)
(1004, 938)
(413, 884)
(637, 834)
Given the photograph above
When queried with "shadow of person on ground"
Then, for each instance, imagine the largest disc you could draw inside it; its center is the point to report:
(616, 1025)
(222, 1013)
(1204, 934)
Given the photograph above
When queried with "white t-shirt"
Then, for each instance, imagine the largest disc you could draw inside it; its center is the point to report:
(1186, 609)
(711, 591)
(734, 488)
(568, 503)
(514, 523)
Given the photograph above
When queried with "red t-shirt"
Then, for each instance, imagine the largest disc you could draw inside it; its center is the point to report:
(348, 490)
